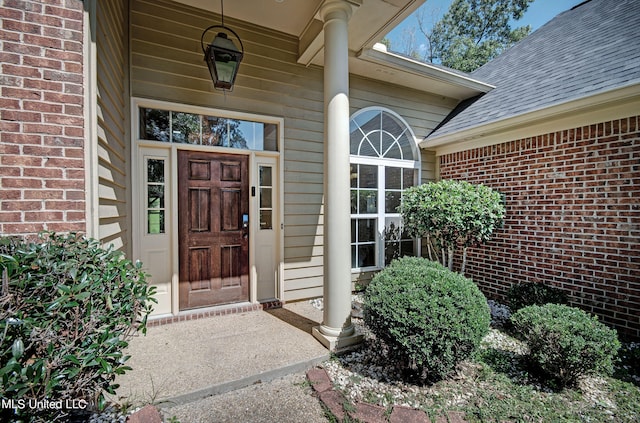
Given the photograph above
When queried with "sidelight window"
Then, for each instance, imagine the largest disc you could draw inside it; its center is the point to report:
(266, 197)
(155, 194)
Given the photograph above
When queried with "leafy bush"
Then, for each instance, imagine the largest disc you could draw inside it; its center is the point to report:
(565, 342)
(429, 317)
(68, 309)
(526, 294)
(450, 213)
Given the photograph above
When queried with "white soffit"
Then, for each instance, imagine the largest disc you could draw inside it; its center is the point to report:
(288, 16)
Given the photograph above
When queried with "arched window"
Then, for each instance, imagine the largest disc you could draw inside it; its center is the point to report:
(384, 161)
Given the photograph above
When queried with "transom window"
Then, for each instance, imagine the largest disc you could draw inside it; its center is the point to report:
(191, 128)
(384, 162)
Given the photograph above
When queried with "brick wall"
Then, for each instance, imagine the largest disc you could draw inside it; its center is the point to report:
(41, 116)
(573, 216)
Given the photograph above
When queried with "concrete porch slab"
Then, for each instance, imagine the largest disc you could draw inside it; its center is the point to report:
(182, 362)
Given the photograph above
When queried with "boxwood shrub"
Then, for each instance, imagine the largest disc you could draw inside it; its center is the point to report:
(566, 342)
(526, 294)
(429, 317)
(68, 309)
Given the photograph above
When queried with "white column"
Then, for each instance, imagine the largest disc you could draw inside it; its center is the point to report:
(336, 331)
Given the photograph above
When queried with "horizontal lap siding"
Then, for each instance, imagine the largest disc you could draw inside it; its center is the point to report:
(112, 121)
(167, 64)
(573, 216)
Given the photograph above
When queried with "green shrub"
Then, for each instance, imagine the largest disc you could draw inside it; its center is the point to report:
(68, 309)
(429, 317)
(565, 342)
(449, 214)
(526, 294)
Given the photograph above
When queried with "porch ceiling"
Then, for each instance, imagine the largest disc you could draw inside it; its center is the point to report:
(289, 16)
(371, 21)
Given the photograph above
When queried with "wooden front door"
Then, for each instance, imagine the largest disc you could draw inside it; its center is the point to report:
(213, 228)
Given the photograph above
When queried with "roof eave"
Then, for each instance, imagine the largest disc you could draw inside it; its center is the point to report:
(546, 119)
(404, 71)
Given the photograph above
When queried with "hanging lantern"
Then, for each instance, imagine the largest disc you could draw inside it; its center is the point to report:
(222, 56)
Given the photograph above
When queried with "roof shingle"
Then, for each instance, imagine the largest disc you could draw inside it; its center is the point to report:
(590, 49)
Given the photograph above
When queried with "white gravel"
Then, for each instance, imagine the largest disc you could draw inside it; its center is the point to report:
(365, 375)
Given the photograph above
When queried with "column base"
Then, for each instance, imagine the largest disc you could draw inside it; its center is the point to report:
(337, 343)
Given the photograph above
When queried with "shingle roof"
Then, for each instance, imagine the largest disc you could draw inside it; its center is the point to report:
(592, 48)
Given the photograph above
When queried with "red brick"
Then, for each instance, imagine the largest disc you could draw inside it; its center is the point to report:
(45, 173)
(319, 379)
(147, 414)
(41, 41)
(65, 163)
(408, 415)
(21, 205)
(60, 119)
(571, 191)
(21, 26)
(10, 217)
(41, 84)
(39, 128)
(45, 216)
(47, 20)
(22, 228)
(20, 93)
(368, 413)
(334, 401)
(44, 194)
(21, 183)
(66, 226)
(42, 63)
(64, 205)
(20, 116)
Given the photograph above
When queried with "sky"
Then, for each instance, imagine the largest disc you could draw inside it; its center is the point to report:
(538, 13)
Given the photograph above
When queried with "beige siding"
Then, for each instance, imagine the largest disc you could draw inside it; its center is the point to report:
(422, 111)
(167, 64)
(112, 119)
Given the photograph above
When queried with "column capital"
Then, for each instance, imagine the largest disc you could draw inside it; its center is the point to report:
(332, 9)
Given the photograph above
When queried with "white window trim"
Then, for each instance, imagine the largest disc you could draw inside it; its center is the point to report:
(172, 148)
(382, 163)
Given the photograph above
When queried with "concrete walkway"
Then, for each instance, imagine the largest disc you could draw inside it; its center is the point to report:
(211, 369)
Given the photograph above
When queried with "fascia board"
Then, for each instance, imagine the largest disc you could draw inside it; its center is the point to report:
(570, 114)
(423, 69)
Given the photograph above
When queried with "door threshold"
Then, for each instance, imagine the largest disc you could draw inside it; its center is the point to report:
(202, 313)
(271, 303)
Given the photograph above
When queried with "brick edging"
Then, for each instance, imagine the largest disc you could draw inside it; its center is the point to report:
(220, 311)
(334, 400)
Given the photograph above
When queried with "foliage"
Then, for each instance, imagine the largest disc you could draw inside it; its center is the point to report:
(69, 308)
(526, 294)
(500, 314)
(565, 342)
(451, 213)
(473, 32)
(429, 317)
(470, 34)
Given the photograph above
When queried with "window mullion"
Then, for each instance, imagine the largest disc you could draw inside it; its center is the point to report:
(381, 215)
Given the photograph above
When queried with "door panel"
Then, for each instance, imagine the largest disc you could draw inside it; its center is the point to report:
(213, 242)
